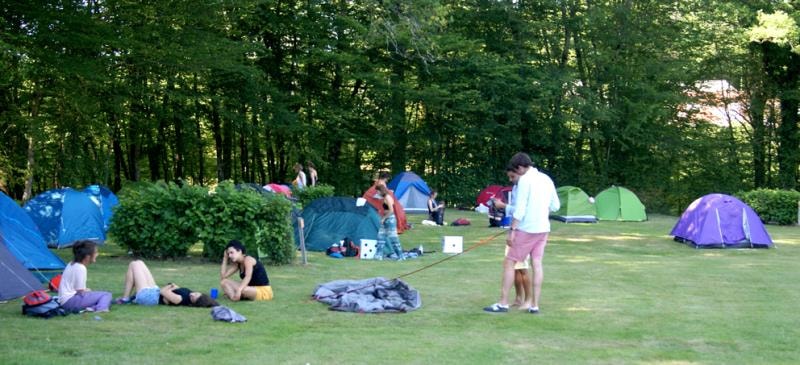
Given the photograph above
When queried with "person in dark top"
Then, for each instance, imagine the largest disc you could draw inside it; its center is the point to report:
(388, 240)
(435, 210)
(254, 284)
(148, 293)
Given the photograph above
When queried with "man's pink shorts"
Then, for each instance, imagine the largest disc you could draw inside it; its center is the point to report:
(525, 244)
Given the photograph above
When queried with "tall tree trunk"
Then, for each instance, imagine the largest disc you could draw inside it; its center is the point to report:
(272, 169)
(216, 130)
(34, 114)
(397, 118)
(201, 166)
(227, 147)
(119, 158)
(788, 155)
(28, 193)
(758, 139)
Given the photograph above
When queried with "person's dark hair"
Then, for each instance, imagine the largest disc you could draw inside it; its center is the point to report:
(205, 301)
(82, 249)
(382, 189)
(432, 192)
(310, 164)
(520, 159)
(384, 175)
(237, 245)
(510, 168)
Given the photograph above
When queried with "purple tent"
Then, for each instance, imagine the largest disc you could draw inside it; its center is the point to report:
(718, 220)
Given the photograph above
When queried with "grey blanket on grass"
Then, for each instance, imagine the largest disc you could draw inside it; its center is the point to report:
(376, 295)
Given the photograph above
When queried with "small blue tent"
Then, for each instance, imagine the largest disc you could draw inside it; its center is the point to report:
(411, 191)
(20, 236)
(65, 216)
(107, 200)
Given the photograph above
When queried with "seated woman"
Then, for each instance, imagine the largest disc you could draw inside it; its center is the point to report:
(148, 293)
(435, 210)
(73, 294)
(255, 282)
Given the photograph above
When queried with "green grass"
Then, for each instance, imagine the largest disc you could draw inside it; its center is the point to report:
(614, 293)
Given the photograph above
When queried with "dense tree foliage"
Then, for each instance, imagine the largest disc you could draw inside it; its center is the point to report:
(599, 92)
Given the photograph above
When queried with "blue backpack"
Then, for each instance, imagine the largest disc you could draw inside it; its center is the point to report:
(40, 304)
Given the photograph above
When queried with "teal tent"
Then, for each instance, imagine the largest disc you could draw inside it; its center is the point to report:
(620, 204)
(575, 206)
(330, 220)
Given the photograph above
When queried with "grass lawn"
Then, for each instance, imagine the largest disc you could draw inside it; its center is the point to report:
(614, 293)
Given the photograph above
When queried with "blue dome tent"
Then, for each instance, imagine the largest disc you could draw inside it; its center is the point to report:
(21, 237)
(411, 191)
(66, 215)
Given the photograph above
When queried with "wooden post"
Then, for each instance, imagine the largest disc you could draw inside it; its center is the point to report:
(300, 224)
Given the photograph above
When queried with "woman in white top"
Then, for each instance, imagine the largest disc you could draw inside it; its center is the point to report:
(73, 294)
(299, 181)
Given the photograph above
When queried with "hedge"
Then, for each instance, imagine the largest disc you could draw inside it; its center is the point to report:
(164, 220)
(772, 205)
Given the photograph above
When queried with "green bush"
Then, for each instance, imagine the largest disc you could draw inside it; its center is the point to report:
(772, 205)
(159, 220)
(262, 222)
(150, 219)
(310, 193)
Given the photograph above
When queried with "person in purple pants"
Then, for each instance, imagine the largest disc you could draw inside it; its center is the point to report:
(73, 294)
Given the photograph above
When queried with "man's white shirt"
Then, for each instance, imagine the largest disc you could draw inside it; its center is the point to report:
(534, 198)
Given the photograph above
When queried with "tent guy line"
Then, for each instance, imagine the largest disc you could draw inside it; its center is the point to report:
(480, 243)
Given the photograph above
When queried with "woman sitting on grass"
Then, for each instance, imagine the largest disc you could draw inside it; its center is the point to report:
(148, 293)
(73, 294)
(255, 282)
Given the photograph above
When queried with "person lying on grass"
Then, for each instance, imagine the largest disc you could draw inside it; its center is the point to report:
(148, 293)
(255, 282)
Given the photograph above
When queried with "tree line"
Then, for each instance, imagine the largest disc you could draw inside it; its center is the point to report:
(598, 92)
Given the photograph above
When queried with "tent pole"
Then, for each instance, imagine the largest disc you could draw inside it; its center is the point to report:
(300, 224)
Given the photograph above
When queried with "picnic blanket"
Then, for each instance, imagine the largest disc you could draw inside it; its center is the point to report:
(376, 295)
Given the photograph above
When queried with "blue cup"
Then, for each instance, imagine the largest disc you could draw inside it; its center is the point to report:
(214, 293)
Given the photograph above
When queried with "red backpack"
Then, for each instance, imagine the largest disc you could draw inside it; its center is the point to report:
(36, 297)
(39, 304)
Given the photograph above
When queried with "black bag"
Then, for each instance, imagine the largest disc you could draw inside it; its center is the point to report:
(349, 249)
(44, 309)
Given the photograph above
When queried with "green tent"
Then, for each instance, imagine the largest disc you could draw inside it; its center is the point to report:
(329, 220)
(575, 206)
(618, 203)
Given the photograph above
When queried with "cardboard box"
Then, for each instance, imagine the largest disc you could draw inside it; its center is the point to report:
(452, 244)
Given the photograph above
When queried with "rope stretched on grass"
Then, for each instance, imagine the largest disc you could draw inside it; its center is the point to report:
(480, 243)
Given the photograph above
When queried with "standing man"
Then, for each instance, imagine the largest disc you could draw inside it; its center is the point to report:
(530, 226)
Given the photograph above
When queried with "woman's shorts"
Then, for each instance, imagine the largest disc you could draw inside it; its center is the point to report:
(148, 296)
(263, 292)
